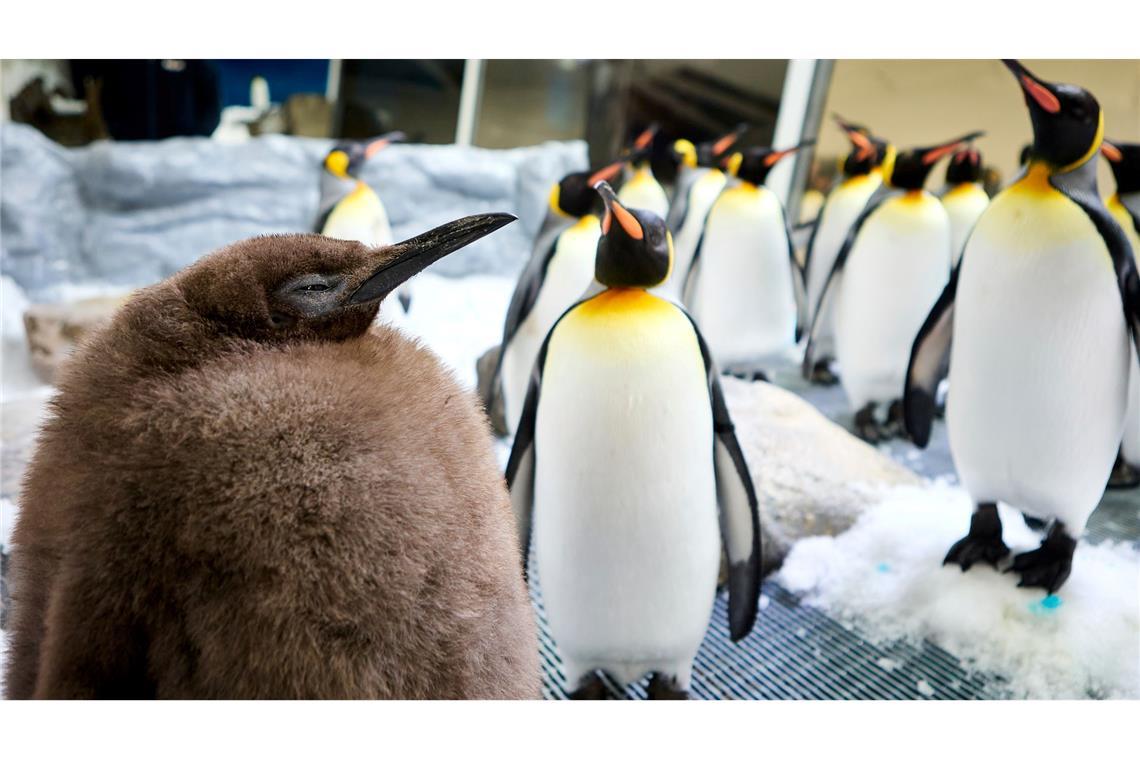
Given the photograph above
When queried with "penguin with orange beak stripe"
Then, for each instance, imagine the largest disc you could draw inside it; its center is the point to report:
(560, 269)
(963, 197)
(745, 289)
(627, 459)
(1038, 376)
(1124, 205)
(641, 189)
(894, 263)
(351, 210)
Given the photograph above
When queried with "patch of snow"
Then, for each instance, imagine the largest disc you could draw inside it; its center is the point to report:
(886, 663)
(1082, 642)
(924, 688)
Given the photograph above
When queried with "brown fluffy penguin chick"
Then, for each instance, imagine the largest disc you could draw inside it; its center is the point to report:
(243, 492)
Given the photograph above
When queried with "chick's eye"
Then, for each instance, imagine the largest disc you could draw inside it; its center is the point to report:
(316, 287)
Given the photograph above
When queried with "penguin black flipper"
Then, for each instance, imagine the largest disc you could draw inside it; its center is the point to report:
(1079, 186)
(929, 364)
(739, 507)
(799, 289)
(811, 238)
(836, 272)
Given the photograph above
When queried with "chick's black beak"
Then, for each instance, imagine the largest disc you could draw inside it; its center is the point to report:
(406, 259)
(1036, 90)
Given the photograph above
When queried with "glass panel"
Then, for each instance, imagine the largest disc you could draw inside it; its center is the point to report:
(420, 97)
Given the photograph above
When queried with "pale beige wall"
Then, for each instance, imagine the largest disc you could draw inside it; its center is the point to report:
(927, 101)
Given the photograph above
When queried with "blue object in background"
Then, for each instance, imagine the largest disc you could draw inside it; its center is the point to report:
(285, 78)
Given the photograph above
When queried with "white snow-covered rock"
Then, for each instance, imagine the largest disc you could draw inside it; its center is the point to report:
(885, 575)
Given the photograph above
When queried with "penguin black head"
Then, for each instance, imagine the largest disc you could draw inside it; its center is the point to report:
(753, 164)
(1067, 120)
(574, 195)
(965, 166)
(912, 167)
(642, 146)
(346, 159)
(865, 154)
(1124, 159)
(285, 287)
(635, 249)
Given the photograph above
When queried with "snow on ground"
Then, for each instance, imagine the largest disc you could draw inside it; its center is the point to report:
(885, 574)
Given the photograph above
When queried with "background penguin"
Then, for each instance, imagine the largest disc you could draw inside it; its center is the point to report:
(624, 453)
(243, 492)
(889, 272)
(1124, 205)
(1039, 376)
(351, 210)
(700, 180)
(964, 198)
(641, 189)
(745, 288)
(862, 177)
(560, 269)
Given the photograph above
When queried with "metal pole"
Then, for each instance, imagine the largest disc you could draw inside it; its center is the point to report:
(470, 93)
(801, 106)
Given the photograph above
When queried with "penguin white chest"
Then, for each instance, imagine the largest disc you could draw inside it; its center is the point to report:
(643, 191)
(963, 204)
(359, 216)
(894, 273)
(1038, 368)
(702, 195)
(743, 296)
(568, 274)
(625, 516)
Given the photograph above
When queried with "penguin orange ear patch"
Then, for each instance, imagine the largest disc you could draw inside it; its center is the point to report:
(628, 222)
(1041, 94)
(724, 143)
(1111, 152)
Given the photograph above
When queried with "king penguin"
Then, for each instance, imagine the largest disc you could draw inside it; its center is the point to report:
(1039, 375)
(892, 266)
(700, 179)
(351, 210)
(249, 490)
(862, 178)
(745, 289)
(1124, 205)
(641, 189)
(963, 197)
(560, 269)
(625, 455)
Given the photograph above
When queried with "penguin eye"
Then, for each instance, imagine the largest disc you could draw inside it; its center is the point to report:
(315, 287)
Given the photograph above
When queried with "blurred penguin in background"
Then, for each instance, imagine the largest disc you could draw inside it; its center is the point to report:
(627, 459)
(351, 210)
(560, 270)
(892, 266)
(862, 177)
(1033, 328)
(745, 289)
(641, 189)
(963, 197)
(700, 180)
(1124, 205)
(249, 490)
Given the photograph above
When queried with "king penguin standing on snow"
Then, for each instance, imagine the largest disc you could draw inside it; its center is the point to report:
(560, 269)
(862, 177)
(745, 289)
(1039, 375)
(889, 272)
(626, 455)
(351, 210)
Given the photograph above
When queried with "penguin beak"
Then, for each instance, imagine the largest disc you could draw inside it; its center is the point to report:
(605, 174)
(406, 259)
(857, 136)
(381, 143)
(931, 155)
(645, 139)
(1036, 90)
(727, 141)
(1111, 152)
(614, 210)
(773, 157)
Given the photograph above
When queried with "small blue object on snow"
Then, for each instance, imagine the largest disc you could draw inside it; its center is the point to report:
(1046, 606)
(883, 567)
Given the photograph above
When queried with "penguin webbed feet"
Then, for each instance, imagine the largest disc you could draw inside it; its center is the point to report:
(749, 375)
(1123, 474)
(591, 687)
(662, 686)
(982, 544)
(1049, 565)
(823, 374)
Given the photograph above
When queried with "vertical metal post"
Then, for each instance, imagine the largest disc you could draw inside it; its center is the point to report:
(801, 109)
(470, 93)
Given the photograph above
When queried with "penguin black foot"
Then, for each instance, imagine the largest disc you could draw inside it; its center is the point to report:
(866, 427)
(590, 687)
(894, 427)
(821, 374)
(983, 543)
(751, 376)
(665, 687)
(1034, 523)
(1047, 566)
(1123, 474)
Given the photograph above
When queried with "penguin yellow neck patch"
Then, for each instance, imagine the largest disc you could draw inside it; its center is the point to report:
(1035, 181)
(623, 300)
